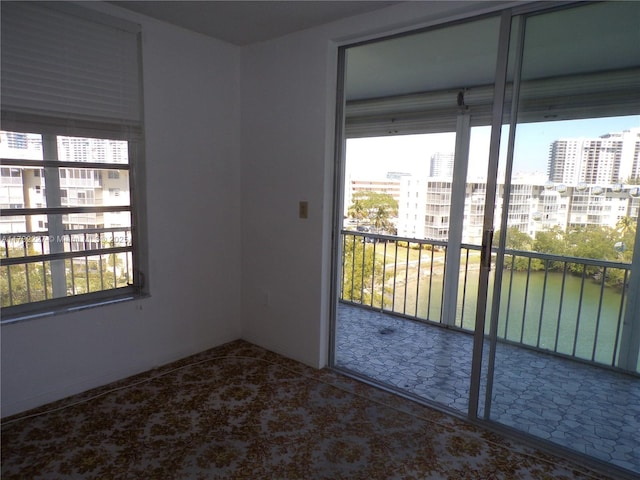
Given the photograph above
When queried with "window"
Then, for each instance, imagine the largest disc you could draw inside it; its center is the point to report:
(77, 244)
(80, 252)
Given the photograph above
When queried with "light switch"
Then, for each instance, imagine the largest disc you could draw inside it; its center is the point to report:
(303, 209)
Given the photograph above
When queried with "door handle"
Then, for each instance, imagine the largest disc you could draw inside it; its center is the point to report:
(485, 252)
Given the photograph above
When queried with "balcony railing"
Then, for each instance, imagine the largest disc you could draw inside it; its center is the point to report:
(572, 307)
(80, 261)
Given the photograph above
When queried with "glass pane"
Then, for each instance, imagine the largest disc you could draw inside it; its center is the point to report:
(98, 272)
(569, 219)
(91, 187)
(19, 145)
(96, 150)
(407, 133)
(25, 283)
(27, 236)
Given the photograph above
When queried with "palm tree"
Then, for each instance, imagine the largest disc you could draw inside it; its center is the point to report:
(381, 219)
(356, 211)
(626, 225)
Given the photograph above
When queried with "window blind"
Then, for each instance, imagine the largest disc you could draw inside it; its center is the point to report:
(69, 63)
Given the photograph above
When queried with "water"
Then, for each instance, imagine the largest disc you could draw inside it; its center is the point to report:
(580, 319)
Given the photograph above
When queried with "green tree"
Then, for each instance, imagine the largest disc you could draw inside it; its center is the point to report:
(591, 242)
(551, 241)
(375, 209)
(626, 225)
(363, 276)
(626, 228)
(517, 240)
(24, 283)
(356, 211)
(100, 274)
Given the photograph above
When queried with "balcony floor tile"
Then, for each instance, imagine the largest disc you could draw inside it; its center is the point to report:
(583, 407)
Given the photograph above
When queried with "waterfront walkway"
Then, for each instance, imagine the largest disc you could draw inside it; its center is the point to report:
(583, 407)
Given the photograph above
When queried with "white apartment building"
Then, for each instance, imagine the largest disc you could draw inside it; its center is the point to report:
(389, 185)
(608, 159)
(412, 206)
(425, 205)
(584, 188)
(441, 164)
(24, 187)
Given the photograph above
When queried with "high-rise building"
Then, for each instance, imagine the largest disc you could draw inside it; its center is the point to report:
(24, 187)
(441, 165)
(608, 159)
(533, 206)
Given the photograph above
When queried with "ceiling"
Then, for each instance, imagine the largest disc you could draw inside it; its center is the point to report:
(246, 22)
(558, 43)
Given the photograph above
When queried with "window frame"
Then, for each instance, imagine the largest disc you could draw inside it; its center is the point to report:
(137, 208)
(114, 111)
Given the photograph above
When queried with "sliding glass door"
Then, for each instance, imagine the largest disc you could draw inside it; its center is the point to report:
(564, 330)
(486, 222)
(417, 113)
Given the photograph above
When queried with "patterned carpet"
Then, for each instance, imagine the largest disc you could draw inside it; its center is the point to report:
(241, 412)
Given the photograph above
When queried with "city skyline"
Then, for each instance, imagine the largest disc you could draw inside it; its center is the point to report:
(371, 158)
(580, 186)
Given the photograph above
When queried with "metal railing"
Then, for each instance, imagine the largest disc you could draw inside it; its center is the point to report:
(38, 266)
(573, 307)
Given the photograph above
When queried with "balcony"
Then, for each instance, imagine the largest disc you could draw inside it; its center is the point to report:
(557, 374)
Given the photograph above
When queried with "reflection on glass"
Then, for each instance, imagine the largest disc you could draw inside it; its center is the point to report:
(96, 150)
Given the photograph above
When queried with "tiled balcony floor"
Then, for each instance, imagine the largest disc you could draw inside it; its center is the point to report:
(586, 408)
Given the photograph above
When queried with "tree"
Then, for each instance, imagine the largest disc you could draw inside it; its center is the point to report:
(626, 225)
(551, 241)
(381, 219)
(517, 240)
(377, 209)
(626, 228)
(363, 275)
(27, 281)
(356, 211)
(591, 242)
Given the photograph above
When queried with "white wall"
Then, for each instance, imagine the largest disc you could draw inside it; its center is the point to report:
(288, 101)
(192, 120)
(229, 155)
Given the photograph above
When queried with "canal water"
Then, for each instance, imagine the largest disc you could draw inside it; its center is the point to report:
(579, 318)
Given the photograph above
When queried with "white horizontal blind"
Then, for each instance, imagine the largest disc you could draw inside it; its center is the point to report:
(66, 62)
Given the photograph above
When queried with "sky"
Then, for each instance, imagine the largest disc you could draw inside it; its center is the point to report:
(369, 158)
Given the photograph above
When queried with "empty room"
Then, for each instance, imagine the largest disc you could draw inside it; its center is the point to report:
(341, 239)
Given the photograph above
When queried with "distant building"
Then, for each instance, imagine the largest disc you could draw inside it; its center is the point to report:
(533, 206)
(441, 165)
(25, 187)
(604, 160)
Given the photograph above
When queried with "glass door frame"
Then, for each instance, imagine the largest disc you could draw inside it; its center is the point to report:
(463, 132)
(629, 350)
(478, 366)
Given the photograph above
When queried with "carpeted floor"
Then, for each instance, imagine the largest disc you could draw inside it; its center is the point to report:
(241, 412)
